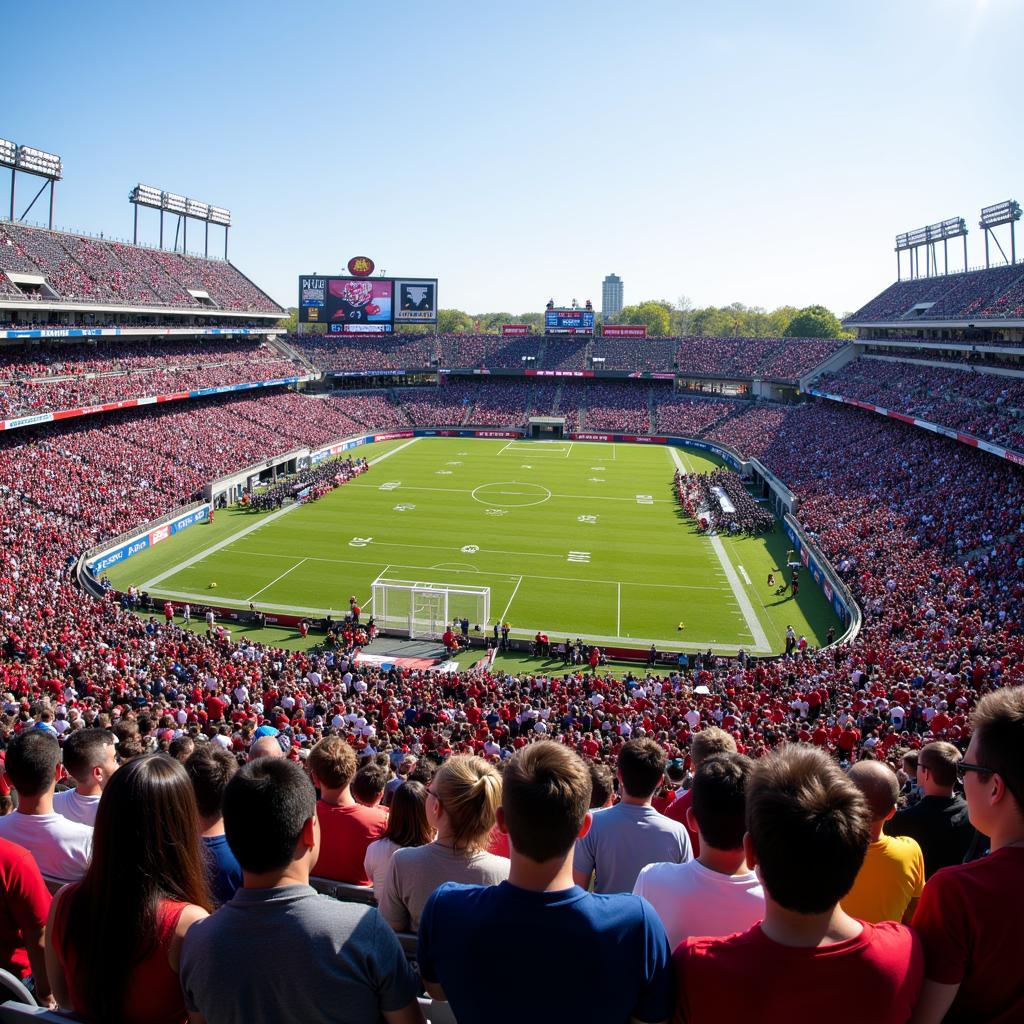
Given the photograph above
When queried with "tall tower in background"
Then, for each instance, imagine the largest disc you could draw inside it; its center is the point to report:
(611, 296)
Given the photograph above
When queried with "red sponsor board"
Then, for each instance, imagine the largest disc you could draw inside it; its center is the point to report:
(159, 534)
(642, 440)
(559, 373)
(397, 435)
(507, 329)
(624, 330)
(591, 437)
(827, 588)
(498, 433)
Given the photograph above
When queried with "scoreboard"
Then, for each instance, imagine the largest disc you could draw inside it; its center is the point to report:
(367, 305)
(569, 321)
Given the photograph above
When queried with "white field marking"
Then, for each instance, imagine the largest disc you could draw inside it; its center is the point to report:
(614, 456)
(456, 462)
(528, 632)
(457, 566)
(272, 582)
(569, 452)
(529, 576)
(369, 601)
(508, 444)
(589, 520)
(524, 466)
(749, 615)
(360, 542)
(574, 497)
(510, 600)
(596, 480)
(618, 608)
(189, 562)
(597, 469)
(389, 485)
(394, 451)
(645, 499)
(404, 508)
(444, 472)
(743, 573)
(579, 556)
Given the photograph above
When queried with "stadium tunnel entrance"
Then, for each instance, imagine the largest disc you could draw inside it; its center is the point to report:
(546, 428)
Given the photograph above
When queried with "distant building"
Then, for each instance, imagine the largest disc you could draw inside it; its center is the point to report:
(611, 296)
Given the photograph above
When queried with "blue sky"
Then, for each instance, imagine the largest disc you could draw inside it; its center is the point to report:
(765, 153)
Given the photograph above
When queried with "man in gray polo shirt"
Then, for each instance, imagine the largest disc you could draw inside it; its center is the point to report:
(278, 950)
(625, 838)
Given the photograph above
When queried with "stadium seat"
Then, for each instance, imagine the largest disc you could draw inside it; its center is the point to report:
(437, 1012)
(347, 892)
(17, 1013)
(12, 987)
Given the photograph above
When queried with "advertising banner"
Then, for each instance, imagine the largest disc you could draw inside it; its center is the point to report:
(514, 329)
(624, 331)
(415, 301)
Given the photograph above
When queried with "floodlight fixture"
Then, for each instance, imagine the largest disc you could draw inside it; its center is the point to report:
(999, 213)
(8, 153)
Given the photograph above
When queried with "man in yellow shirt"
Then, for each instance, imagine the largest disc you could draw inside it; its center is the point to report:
(890, 882)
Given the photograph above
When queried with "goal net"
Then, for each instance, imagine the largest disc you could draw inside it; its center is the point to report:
(423, 610)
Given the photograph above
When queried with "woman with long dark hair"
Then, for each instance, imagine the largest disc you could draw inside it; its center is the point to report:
(113, 940)
(407, 826)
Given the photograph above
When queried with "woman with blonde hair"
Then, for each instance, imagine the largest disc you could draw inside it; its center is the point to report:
(462, 801)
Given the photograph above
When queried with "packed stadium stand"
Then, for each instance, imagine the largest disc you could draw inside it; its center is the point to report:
(75, 268)
(996, 293)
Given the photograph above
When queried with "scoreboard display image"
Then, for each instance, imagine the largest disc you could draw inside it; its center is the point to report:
(366, 305)
(569, 321)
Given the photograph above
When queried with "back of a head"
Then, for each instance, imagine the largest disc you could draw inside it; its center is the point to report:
(407, 820)
(602, 784)
(333, 762)
(545, 798)
(181, 748)
(941, 759)
(810, 827)
(369, 782)
(84, 750)
(642, 767)
(710, 741)
(266, 805)
(720, 801)
(998, 725)
(31, 761)
(265, 746)
(878, 782)
(470, 791)
(210, 769)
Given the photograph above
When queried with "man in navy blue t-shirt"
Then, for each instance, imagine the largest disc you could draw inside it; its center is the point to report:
(581, 956)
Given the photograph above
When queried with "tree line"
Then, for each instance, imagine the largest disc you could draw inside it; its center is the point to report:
(662, 318)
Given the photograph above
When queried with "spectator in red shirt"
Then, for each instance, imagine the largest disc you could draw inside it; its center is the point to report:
(971, 916)
(706, 743)
(24, 905)
(346, 828)
(808, 829)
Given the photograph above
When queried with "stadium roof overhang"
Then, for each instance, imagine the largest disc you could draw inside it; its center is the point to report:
(64, 306)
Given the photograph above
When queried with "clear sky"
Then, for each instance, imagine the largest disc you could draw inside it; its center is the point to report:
(758, 152)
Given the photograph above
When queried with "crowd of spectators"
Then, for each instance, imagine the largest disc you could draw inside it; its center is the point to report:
(688, 417)
(84, 377)
(446, 405)
(340, 352)
(611, 405)
(927, 534)
(776, 358)
(989, 406)
(102, 271)
(718, 502)
(306, 485)
(995, 293)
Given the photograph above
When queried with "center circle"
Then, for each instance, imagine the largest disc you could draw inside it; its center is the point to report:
(511, 494)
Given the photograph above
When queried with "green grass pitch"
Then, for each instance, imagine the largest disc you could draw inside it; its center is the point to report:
(576, 539)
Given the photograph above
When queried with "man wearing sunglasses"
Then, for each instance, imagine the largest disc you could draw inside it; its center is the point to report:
(971, 916)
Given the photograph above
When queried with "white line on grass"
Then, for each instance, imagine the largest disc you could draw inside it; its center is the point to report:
(394, 451)
(189, 562)
(618, 608)
(574, 497)
(743, 573)
(281, 577)
(749, 615)
(510, 600)
(265, 521)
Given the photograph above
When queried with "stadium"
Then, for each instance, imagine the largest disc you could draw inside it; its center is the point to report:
(336, 533)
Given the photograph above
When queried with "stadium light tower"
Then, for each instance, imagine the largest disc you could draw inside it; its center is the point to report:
(184, 209)
(30, 161)
(1007, 212)
(926, 238)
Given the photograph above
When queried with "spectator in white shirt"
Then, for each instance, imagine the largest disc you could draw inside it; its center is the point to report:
(90, 758)
(717, 894)
(61, 848)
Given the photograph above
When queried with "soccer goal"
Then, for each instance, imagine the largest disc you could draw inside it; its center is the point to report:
(421, 610)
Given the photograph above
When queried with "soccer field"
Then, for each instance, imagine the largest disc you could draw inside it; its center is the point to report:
(575, 539)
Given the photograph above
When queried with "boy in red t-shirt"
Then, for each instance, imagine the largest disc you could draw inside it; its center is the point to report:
(971, 916)
(346, 828)
(808, 829)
